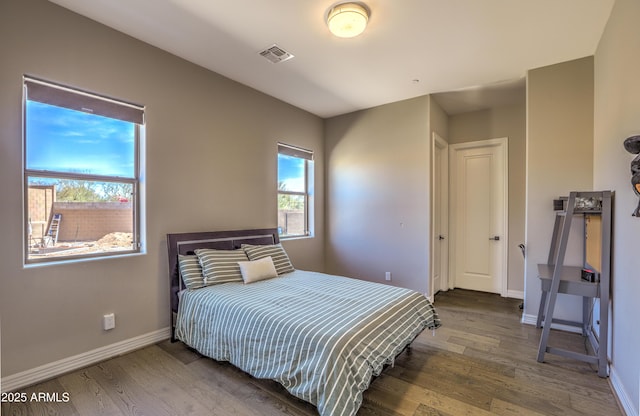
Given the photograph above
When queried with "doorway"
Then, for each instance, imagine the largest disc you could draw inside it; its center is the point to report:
(478, 215)
(440, 215)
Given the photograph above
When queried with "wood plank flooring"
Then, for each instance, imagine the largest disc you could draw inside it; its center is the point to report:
(480, 362)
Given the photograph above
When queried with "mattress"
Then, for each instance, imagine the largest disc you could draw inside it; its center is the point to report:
(322, 337)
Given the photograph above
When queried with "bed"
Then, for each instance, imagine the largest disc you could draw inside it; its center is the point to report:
(322, 337)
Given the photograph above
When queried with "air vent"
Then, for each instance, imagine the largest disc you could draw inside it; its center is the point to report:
(276, 54)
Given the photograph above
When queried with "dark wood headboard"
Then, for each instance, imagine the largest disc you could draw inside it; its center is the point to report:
(186, 243)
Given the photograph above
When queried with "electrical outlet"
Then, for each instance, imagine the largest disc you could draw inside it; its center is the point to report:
(109, 321)
(387, 276)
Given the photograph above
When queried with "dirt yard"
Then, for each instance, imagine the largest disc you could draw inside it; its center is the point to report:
(110, 242)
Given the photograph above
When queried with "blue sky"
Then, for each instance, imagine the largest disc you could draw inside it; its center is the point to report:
(291, 172)
(66, 140)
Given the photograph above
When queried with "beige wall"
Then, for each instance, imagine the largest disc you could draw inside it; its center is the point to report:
(617, 116)
(208, 166)
(559, 160)
(86, 221)
(438, 119)
(378, 193)
(374, 140)
(41, 199)
(211, 159)
(507, 121)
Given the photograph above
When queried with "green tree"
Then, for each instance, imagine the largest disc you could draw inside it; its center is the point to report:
(288, 201)
(69, 190)
(116, 191)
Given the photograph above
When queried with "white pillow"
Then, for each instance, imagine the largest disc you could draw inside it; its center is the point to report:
(253, 271)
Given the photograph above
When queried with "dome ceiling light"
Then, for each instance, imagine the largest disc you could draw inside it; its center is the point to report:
(347, 20)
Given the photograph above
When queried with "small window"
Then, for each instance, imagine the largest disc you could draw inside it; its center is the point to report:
(81, 173)
(295, 191)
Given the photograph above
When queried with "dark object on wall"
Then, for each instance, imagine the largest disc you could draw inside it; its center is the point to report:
(632, 145)
(635, 181)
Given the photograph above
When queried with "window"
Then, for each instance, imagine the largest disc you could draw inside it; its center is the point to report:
(81, 173)
(295, 191)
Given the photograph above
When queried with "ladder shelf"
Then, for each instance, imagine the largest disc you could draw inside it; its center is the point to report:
(556, 278)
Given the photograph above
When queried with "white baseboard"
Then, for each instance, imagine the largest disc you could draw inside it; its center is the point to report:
(533, 319)
(625, 401)
(516, 294)
(54, 369)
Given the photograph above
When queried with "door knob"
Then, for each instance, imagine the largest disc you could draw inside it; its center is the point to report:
(495, 238)
(441, 237)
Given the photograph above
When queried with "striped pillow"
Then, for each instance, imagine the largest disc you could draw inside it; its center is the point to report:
(277, 253)
(191, 271)
(220, 266)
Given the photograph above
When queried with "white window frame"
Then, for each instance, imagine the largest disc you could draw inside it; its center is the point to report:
(307, 194)
(72, 98)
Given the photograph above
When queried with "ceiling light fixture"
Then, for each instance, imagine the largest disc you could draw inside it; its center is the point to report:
(347, 20)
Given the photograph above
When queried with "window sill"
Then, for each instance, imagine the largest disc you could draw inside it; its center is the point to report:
(43, 263)
(297, 237)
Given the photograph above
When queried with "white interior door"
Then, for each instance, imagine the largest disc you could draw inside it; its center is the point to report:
(479, 217)
(439, 215)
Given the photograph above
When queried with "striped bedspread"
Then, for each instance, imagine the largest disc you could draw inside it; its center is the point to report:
(322, 337)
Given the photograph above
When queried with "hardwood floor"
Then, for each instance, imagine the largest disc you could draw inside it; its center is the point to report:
(480, 362)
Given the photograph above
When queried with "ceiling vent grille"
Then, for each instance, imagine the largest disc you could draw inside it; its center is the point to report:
(276, 54)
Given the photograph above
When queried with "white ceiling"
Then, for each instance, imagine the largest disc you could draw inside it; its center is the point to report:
(472, 48)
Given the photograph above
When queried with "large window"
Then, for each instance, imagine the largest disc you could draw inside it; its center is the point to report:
(81, 173)
(295, 191)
